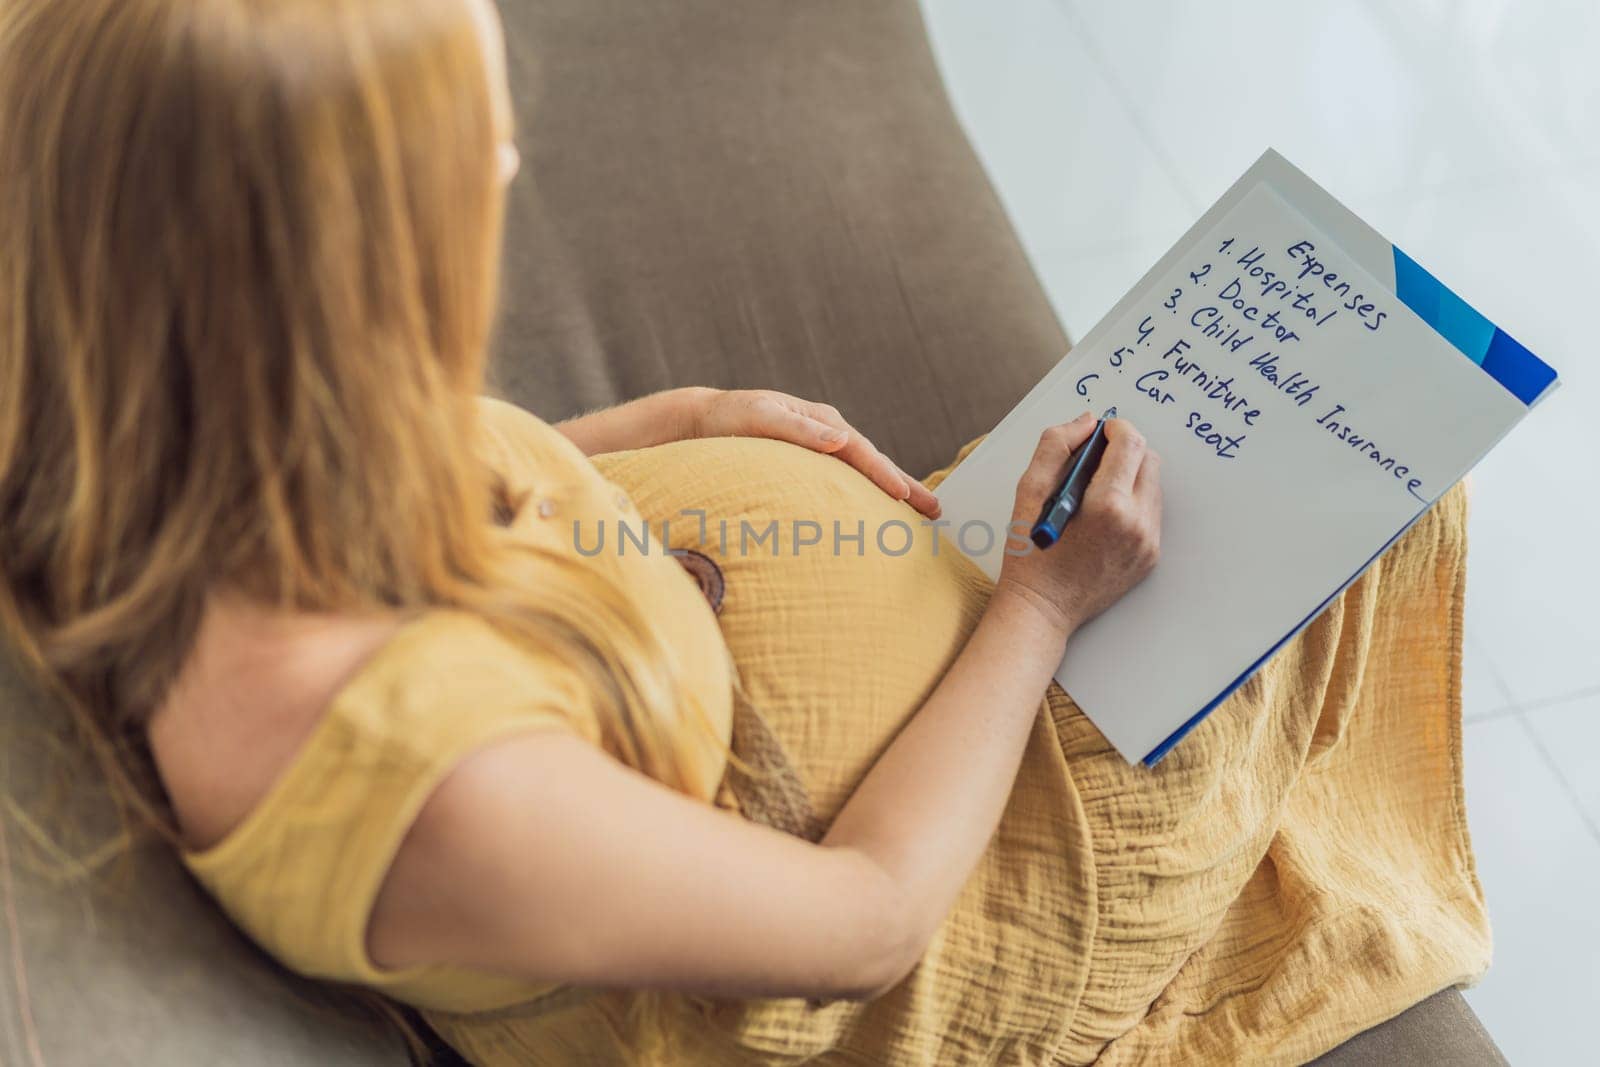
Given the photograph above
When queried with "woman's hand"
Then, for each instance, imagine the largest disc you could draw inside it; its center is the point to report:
(820, 427)
(1108, 547)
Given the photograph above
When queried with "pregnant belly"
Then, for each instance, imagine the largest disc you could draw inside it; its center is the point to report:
(840, 633)
(841, 609)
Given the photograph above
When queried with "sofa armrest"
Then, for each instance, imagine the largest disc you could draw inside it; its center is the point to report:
(1440, 1031)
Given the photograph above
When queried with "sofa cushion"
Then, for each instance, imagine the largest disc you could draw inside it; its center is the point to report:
(1440, 1030)
(130, 963)
(759, 194)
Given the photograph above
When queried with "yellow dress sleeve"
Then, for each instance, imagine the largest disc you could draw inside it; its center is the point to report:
(302, 872)
(523, 447)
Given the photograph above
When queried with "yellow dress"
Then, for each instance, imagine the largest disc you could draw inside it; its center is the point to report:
(1296, 871)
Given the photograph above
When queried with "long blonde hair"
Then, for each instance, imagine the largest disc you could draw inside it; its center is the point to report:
(248, 259)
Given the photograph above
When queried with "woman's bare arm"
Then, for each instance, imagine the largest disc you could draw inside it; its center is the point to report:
(651, 420)
(678, 414)
(545, 858)
(541, 857)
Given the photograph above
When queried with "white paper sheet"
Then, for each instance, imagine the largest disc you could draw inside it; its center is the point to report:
(1305, 416)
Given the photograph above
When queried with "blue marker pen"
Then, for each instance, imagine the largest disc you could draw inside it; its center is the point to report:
(1060, 506)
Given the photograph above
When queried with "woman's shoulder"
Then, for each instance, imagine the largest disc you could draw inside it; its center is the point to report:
(253, 688)
(449, 674)
(440, 687)
(273, 708)
(516, 442)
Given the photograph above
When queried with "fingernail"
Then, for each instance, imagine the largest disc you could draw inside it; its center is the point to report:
(833, 437)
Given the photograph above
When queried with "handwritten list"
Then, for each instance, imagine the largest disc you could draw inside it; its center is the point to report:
(1225, 348)
(1305, 417)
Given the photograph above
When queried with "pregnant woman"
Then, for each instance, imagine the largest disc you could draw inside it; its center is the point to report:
(383, 661)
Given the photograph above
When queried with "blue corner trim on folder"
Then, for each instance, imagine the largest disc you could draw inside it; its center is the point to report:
(1436, 305)
(1522, 373)
(1514, 367)
(1156, 754)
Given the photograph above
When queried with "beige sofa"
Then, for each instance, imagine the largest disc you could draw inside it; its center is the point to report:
(737, 193)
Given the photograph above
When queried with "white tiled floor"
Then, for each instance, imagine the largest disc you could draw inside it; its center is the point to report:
(1469, 133)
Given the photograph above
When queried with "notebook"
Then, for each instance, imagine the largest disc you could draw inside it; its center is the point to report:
(1312, 391)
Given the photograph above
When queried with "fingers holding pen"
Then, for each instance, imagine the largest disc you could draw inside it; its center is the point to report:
(1119, 467)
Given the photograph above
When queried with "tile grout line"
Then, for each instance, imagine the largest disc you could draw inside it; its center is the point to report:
(1471, 645)
(1502, 711)
(1545, 703)
(1519, 710)
(1561, 778)
(1484, 657)
(1091, 47)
